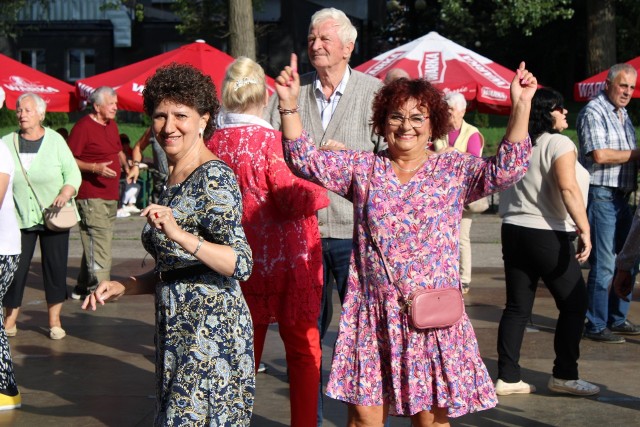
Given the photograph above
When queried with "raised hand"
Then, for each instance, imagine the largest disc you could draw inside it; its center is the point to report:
(288, 84)
(523, 85)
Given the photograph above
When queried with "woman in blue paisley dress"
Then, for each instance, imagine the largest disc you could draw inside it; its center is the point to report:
(204, 338)
(10, 248)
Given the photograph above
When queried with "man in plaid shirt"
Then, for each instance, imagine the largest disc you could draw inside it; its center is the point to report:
(608, 151)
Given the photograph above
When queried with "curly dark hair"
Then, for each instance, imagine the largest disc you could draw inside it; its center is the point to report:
(393, 95)
(542, 105)
(186, 85)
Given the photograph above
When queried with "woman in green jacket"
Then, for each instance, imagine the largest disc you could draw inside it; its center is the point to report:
(43, 155)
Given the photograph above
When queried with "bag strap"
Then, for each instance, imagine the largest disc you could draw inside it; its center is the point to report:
(24, 172)
(374, 240)
(26, 178)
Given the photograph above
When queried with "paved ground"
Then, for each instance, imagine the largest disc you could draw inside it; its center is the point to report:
(102, 373)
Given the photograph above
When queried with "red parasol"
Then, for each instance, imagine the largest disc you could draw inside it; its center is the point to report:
(129, 81)
(17, 78)
(588, 88)
(451, 68)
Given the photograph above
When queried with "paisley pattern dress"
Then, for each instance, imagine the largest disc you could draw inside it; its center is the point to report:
(204, 334)
(8, 267)
(379, 358)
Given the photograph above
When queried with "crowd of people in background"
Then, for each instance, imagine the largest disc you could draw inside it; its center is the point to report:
(261, 206)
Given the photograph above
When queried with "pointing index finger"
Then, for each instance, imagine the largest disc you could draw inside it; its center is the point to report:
(294, 62)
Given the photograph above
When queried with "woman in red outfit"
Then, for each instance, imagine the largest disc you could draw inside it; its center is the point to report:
(279, 219)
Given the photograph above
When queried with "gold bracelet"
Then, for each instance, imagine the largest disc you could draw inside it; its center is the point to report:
(200, 240)
(93, 168)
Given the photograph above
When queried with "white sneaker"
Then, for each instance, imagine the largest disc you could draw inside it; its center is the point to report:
(262, 367)
(121, 213)
(505, 389)
(576, 387)
(131, 209)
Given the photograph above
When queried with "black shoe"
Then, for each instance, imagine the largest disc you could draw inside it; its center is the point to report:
(626, 328)
(604, 336)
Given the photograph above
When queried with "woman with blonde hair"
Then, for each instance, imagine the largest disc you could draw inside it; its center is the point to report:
(279, 219)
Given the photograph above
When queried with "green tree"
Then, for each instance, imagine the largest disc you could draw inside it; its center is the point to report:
(220, 19)
(601, 35)
(467, 21)
(242, 41)
(8, 19)
(211, 20)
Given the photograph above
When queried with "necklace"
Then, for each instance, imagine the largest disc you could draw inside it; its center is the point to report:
(175, 174)
(412, 169)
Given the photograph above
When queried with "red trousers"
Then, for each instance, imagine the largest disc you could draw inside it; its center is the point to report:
(303, 354)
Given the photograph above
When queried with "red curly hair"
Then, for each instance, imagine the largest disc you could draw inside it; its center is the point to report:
(395, 94)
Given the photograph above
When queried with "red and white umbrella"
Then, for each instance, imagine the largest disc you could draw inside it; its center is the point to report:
(451, 68)
(588, 88)
(17, 78)
(129, 81)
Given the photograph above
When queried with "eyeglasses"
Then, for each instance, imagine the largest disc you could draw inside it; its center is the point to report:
(558, 108)
(415, 121)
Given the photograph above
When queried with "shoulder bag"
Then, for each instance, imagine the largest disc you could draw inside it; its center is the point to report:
(425, 308)
(55, 218)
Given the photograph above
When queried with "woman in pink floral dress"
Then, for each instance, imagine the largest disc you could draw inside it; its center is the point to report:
(381, 364)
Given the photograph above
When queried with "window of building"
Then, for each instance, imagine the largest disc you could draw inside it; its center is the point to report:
(81, 63)
(34, 58)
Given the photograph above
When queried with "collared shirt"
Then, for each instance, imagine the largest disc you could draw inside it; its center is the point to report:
(599, 127)
(328, 106)
(228, 120)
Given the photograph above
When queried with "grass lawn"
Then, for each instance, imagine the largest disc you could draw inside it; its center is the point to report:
(133, 130)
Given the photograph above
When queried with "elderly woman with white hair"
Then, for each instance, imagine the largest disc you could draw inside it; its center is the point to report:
(466, 139)
(43, 155)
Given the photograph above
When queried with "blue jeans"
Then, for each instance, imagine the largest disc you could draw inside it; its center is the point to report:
(336, 255)
(610, 220)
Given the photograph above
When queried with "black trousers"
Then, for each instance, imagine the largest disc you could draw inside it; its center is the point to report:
(529, 255)
(54, 248)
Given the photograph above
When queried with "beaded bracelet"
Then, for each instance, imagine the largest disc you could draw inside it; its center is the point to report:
(286, 112)
(200, 240)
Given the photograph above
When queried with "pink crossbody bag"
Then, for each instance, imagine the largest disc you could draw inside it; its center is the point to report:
(425, 308)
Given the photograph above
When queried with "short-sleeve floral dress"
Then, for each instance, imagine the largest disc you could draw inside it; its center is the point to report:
(204, 334)
(379, 358)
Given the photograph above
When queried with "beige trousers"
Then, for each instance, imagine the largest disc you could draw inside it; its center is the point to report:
(97, 217)
(465, 247)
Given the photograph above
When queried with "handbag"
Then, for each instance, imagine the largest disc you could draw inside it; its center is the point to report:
(425, 308)
(55, 218)
(60, 219)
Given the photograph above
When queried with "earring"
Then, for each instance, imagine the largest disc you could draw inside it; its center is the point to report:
(201, 133)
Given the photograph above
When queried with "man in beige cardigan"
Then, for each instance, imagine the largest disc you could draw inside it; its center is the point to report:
(335, 108)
